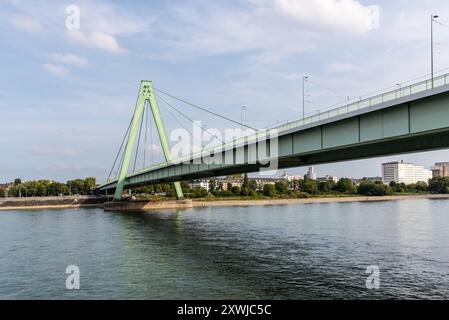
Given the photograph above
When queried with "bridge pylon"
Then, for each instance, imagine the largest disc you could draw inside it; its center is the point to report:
(146, 94)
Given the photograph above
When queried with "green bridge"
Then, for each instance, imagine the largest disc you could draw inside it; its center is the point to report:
(410, 119)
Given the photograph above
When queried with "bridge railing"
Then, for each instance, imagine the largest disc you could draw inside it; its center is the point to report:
(371, 101)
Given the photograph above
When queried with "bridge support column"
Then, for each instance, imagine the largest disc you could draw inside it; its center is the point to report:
(146, 93)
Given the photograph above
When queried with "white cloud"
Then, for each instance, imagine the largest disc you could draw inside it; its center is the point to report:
(340, 15)
(56, 70)
(97, 40)
(268, 29)
(26, 23)
(70, 59)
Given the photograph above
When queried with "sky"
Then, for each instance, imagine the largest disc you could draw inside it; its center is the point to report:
(67, 94)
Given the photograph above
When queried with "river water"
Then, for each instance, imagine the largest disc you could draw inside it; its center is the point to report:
(316, 251)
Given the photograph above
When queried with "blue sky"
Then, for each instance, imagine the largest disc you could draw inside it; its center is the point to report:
(66, 96)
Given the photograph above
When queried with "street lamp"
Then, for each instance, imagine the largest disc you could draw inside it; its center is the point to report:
(399, 88)
(304, 79)
(432, 20)
(241, 118)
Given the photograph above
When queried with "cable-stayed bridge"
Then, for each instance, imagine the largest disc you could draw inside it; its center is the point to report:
(409, 119)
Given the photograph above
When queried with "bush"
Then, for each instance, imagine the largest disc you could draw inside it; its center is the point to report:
(235, 190)
(439, 185)
(199, 192)
(269, 190)
(281, 187)
(345, 185)
(244, 192)
(367, 188)
(226, 194)
(310, 187)
(252, 193)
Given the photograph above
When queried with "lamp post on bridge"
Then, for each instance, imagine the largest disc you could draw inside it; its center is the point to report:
(399, 88)
(241, 118)
(304, 79)
(432, 20)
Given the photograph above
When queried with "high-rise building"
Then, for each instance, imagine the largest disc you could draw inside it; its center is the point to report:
(311, 174)
(401, 172)
(440, 169)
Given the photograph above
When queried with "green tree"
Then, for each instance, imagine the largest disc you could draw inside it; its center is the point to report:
(199, 192)
(212, 185)
(269, 190)
(245, 181)
(368, 188)
(244, 192)
(309, 186)
(439, 185)
(89, 185)
(281, 187)
(235, 190)
(17, 181)
(345, 185)
(158, 189)
(421, 186)
(253, 185)
(326, 186)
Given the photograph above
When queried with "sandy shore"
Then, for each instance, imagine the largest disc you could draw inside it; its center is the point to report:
(276, 202)
(148, 206)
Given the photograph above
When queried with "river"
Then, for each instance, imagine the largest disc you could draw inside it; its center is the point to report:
(316, 251)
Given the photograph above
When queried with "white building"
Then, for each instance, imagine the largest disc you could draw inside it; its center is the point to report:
(200, 183)
(327, 178)
(311, 174)
(289, 178)
(401, 172)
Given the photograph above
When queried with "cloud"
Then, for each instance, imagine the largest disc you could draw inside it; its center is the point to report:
(340, 15)
(269, 30)
(26, 23)
(96, 40)
(56, 70)
(70, 59)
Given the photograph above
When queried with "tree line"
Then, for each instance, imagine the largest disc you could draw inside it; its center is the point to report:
(299, 188)
(46, 188)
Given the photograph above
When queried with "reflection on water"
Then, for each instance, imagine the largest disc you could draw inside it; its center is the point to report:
(295, 252)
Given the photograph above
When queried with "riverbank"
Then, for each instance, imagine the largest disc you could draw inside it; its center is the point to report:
(276, 202)
(136, 206)
(72, 202)
(51, 203)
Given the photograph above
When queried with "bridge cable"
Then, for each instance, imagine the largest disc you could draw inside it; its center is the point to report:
(180, 123)
(185, 116)
(205, 110)
(121, 146)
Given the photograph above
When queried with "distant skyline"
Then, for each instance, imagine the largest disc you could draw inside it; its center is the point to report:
(66, 96)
